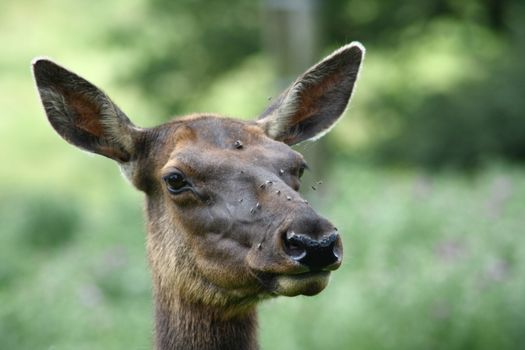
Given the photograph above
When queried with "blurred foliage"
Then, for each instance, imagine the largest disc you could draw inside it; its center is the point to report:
(93, 292)
(45, 221)
(381, 22)
(443, 76)
(431, 261)
(446, 85)
(462, 115)
(188, 45)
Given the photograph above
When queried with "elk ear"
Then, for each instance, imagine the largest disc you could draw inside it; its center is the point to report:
(309, 108)
(82, 114)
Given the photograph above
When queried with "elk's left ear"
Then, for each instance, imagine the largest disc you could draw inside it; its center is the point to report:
(316, 100)
(82, 114)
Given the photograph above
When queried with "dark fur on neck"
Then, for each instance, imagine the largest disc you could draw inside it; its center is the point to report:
(182, 326)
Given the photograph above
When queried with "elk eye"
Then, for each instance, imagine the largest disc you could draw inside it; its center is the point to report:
(176, 182)
(301, 170)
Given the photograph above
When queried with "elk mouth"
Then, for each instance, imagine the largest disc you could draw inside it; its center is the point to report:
(297, 264)
(305, 283)
(308, 283)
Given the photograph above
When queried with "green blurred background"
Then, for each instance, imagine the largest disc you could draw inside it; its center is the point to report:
(424, 175)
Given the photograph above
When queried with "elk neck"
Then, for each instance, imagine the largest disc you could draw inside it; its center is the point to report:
(181, 326)
(189, 312)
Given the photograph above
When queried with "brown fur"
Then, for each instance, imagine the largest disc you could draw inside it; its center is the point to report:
(219, 241)
(183, 327)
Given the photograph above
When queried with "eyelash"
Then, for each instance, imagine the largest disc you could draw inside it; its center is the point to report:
(301, 170)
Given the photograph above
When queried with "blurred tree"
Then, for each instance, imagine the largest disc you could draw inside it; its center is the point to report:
(188, 44)
(473, 117)
(469, 124)
(381, 22)
(291, 36)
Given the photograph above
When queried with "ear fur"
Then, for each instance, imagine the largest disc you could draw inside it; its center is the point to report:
(311, 106)
(82, 114)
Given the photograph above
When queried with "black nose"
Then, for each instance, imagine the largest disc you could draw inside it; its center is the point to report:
(315, 254)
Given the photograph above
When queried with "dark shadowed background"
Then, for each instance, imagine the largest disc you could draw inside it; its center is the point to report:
(424, 175)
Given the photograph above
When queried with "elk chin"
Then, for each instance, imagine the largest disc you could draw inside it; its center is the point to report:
(310, 283)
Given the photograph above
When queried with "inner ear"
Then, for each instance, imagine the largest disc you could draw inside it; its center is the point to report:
(82, 114)
(86, 113)
(316, 100)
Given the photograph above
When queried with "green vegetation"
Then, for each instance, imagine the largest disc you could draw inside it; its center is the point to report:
(433, 260)
(432, 263)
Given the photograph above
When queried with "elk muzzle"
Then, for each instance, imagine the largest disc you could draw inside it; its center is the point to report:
(303, 255)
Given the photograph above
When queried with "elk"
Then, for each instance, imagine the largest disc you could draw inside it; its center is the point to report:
(226, 225)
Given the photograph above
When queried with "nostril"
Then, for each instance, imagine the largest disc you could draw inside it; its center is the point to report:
(316, 254)
(294, 247)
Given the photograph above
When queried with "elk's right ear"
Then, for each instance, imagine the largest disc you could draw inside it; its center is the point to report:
(82, 114)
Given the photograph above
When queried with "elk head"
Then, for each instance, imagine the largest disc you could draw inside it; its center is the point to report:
(226, 224)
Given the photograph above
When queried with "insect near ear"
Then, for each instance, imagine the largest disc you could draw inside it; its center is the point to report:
(176, 182)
